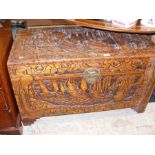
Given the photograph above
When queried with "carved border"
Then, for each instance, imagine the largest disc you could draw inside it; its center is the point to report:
(76, 66)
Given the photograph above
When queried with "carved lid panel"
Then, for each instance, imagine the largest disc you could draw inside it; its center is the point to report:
(57, 44)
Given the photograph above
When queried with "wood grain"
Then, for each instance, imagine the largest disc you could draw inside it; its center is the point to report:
(9, 114)
(44, 23)
(104, 25)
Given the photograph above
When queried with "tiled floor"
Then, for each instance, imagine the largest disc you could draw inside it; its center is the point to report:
(125, 121)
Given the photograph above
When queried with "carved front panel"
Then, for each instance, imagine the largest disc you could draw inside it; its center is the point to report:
(75, 92)
(78, 86)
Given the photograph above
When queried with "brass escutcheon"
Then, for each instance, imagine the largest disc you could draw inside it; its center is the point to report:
(39, 68)
(91, 75)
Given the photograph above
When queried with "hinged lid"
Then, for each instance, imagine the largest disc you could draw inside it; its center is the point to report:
(57, 44)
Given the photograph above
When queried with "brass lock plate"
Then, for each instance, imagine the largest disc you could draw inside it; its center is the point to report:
(91, 75)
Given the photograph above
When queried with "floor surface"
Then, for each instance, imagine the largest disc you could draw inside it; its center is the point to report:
(124, 121)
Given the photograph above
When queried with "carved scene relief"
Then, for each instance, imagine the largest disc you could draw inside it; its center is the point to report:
(72, 43)
(76, 91)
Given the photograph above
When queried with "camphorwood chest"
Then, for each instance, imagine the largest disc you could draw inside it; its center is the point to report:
(56, 71)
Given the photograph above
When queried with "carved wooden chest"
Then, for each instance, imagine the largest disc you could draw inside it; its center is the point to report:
(60, 71)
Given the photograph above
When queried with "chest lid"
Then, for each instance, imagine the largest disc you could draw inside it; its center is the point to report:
(73, 43)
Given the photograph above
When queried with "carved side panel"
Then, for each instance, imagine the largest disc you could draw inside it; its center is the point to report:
(149, 85)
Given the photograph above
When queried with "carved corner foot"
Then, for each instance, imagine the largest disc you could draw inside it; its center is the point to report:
(28, 121)
(139, 109)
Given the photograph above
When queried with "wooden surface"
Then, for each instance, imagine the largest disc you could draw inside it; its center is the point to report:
(44, 23)
(103, 25)
(59, 71)
(9, 116)
(55, 44)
